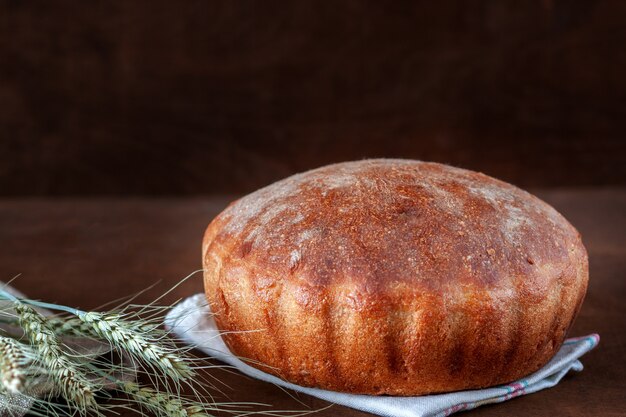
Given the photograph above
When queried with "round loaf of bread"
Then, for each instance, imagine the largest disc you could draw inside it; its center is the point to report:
(394, 277)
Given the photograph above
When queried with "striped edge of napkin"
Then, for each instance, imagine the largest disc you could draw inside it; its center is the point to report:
(192, 322)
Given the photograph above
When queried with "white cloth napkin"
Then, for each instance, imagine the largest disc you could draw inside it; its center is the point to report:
(191, 320)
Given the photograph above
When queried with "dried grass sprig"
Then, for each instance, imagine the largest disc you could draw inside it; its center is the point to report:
(69, 380)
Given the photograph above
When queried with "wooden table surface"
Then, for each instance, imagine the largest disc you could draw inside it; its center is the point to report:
(87, 252)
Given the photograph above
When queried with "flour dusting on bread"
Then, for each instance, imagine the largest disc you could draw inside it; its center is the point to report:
(394, 277)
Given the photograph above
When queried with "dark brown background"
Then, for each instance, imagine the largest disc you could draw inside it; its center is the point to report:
(200, 99)
(170, 98)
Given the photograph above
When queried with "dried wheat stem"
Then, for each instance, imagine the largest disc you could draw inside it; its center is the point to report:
(70, 326)
(74, 326)
(121, 335)
(12, 362)
(68, 379)
(160, 403)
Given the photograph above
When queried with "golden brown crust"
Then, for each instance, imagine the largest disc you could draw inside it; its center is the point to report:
(394, 277)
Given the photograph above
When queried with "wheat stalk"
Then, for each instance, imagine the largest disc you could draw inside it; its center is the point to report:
(160, 403)
(72, 383)
(12, 362)
(70, 326)
(74, 326)
(120, 334)
(42, 353)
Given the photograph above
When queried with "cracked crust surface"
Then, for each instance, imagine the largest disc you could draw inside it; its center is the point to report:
(394, 277)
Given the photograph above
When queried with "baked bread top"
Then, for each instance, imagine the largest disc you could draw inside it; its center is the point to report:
(379, 225)
(400, 256)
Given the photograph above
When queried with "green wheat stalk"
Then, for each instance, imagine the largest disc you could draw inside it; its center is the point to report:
(13, 362)
(41, 355)
(68, 379)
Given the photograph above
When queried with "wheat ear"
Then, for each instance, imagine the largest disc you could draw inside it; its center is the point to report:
(67, 378)
(74, 326)
(121, 335)
(12, 362)
(70, 327)
(160, 403)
